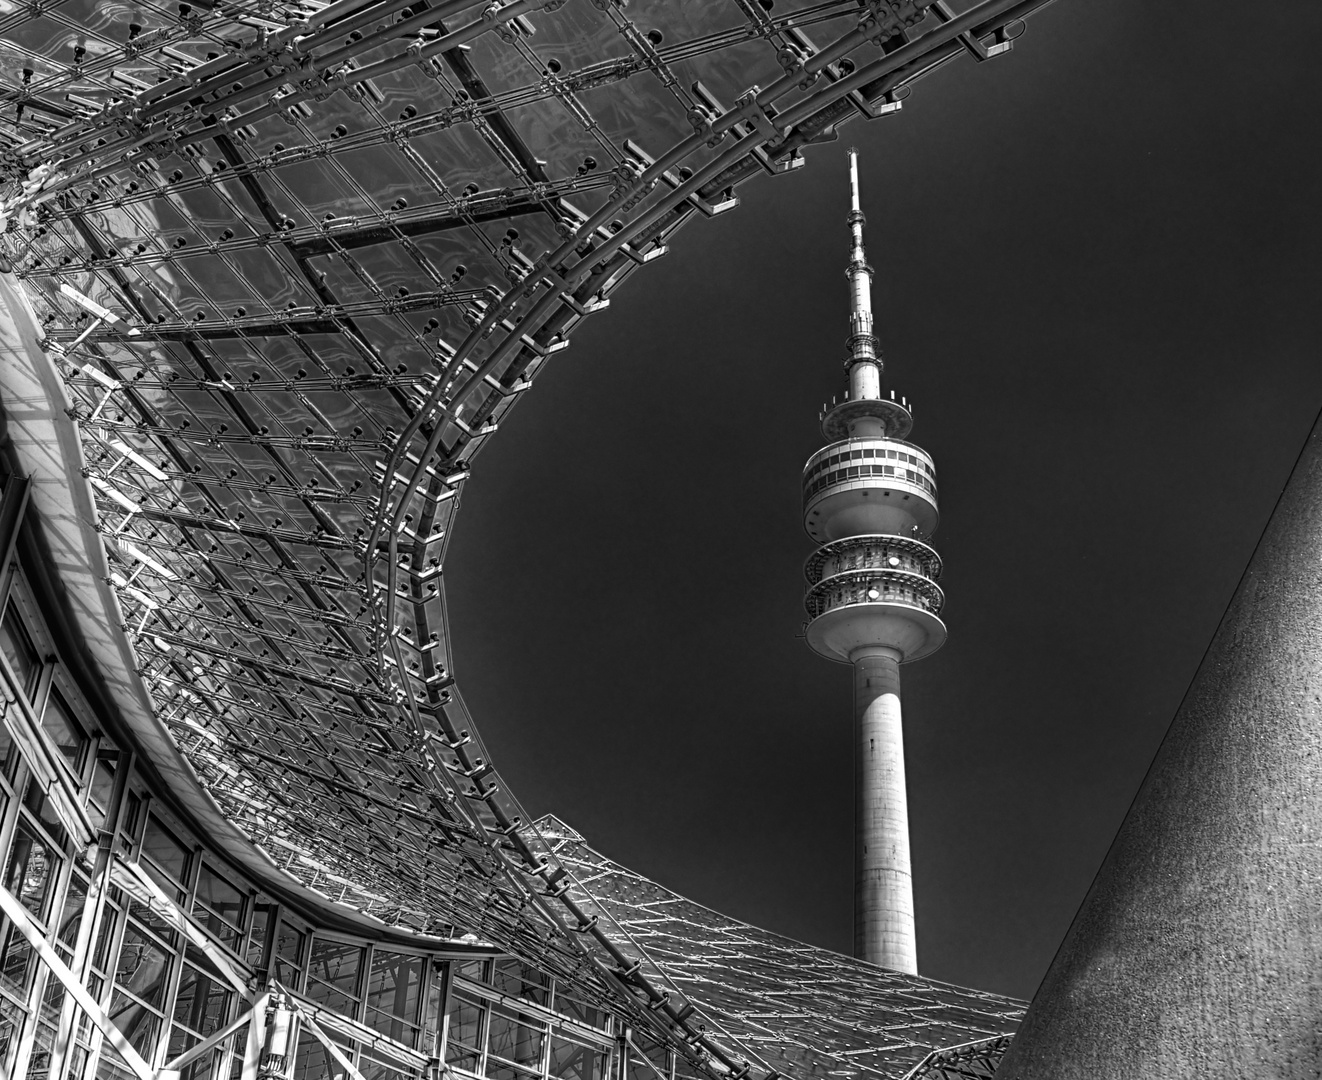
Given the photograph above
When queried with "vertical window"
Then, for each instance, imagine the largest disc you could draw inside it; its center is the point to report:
(375, 1064)
(517, 979)
(72, 917)
(59, 722)
(219, 906)
(46, 1035)
(103, 788)
(16, 962)
(201, 1007)
(43, 812)
(465, 1036)
(149, 952)
(393, 995)
(142, 976)
(130, 819)
(166, 855)
(289, 946)
(515, 1039)
(16, 643)
(574, 1061)
(334, 968)
(651, 1063)
(313, 1061)
(580, 1010)
(31, 872)
(261, 925)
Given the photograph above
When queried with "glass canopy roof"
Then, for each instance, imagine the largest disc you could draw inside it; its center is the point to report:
(788, 1007)
(294, 262)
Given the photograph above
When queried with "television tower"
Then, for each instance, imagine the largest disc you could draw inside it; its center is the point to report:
(869, 500)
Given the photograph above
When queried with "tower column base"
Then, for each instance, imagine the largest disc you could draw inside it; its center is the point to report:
(883, 880)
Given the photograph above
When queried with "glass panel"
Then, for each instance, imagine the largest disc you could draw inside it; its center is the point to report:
(314, 1062)
(571, 1061)
(500, 1070)
(17, 962)
(520, 980)
(131, 817)
(72, 916)
(392, 995)
(59, 722)
(11, 1023)
(514, 1040)
(138, 1023)
(581, 1011)
(465, 1022)
(654, 1066)
(19, 650)
(261, 924)
(143, 966)
(289, 954)
(155, 922)
(44, 811)
(168, 853)
(382, 1069)
(459, 1058)
(105, 934)
(42, 1045)
(223, 930)
(31, 872)
(333, 974)
(201, 1069)
(103, 786)
(219, 895)
(77, 1063)
(202, 1004)
(431, 1014)
(238, 1042)
(111, 1066)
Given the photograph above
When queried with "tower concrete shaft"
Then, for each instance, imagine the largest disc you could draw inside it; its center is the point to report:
(869, 500)
(883, 883)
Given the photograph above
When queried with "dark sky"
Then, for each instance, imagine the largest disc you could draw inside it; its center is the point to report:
(1098, 278)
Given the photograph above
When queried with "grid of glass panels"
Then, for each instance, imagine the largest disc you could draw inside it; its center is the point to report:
(162, 992)
(507, 1020)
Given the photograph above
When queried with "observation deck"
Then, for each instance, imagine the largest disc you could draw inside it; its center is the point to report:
(869, 485)
(869, 590)
(889, 553)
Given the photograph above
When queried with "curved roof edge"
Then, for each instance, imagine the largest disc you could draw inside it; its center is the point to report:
(45, 442)
(790, 1008)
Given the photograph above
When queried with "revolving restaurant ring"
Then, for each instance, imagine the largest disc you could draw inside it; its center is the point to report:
(881, 552)
(874, 587)
(855, 608)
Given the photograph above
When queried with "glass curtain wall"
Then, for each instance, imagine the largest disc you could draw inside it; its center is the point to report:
(172, 946)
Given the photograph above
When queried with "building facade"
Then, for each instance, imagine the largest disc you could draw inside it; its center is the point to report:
(271, 276)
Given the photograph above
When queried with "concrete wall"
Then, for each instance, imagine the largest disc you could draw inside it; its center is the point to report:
(1198, 950)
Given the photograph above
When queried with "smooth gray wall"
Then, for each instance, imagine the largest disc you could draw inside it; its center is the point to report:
(1198, 949)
